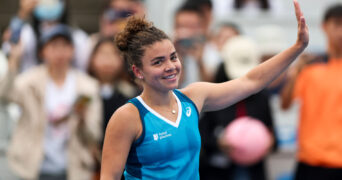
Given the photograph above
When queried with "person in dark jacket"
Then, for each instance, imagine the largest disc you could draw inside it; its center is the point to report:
(214, 163)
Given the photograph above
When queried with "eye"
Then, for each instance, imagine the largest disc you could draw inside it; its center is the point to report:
(157, 62)
(174, 57)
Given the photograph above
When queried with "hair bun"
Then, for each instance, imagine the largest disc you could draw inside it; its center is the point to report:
(133, 26)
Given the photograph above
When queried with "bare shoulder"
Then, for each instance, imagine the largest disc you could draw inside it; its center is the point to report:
(125, 120)
(196, 89)
(197, 92)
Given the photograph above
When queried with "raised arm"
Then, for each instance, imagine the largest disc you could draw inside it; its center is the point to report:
(122, 130)
(210, 96)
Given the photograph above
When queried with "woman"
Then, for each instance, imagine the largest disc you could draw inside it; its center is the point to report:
(156, 135)
(106, 65)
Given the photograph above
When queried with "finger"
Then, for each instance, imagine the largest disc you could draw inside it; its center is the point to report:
(302, 23)
(297, 10)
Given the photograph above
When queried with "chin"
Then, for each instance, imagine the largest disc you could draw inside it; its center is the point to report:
(170, 87)
(174, 87)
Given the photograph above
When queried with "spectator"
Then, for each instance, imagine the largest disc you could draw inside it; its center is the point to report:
(113, 20)
(206, 7)
(317, 86)
(32, 19)
(240, 56)
(211, 52)
(247, 8)
(226, 30)
(271, 40)
(107, 66)
(135, 6)
(59, 128)
(190, 39)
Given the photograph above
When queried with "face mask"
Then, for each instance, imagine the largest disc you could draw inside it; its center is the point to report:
(49, 10)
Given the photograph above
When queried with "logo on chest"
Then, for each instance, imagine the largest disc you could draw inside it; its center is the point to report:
(162, 135)
(188, 111)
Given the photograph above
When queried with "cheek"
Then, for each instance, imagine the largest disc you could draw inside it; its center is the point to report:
(179, 65)
(101, 67)
(68, 53)
(97, 65)
(48, 54)
(117, 64)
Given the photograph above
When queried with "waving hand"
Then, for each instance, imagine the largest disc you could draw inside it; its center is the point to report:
(303, 32)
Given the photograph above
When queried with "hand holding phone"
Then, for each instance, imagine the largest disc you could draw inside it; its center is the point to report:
(81, 104)
(79, 107)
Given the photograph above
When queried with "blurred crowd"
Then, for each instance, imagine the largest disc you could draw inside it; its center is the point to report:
(65, 84)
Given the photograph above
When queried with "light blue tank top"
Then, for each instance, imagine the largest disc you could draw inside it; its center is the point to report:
(166, 149)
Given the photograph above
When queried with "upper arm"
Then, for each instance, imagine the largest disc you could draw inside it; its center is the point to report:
(122, 130)
(216, 96)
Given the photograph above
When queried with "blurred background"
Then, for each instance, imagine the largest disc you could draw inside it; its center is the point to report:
(85, 14)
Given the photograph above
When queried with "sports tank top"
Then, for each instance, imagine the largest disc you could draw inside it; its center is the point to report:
(165, 149)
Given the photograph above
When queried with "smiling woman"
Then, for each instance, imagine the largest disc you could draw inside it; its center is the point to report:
(160, 67)
(155, 135)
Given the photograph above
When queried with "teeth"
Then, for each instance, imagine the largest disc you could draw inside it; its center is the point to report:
(170, 77)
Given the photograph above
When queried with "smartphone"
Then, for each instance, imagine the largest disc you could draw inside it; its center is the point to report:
(190, 42)
(185, 42)
(82, 100)
(16, 25)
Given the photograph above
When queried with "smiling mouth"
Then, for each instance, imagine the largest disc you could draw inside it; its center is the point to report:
(170, 76)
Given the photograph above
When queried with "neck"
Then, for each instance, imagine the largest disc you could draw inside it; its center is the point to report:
(58, 75)
(155, 98)
(106, 81)
(334, 52)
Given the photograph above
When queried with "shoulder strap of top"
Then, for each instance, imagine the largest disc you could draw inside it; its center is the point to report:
(142, 112)
(183, 98)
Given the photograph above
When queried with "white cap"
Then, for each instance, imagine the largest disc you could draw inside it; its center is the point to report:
(240, 55)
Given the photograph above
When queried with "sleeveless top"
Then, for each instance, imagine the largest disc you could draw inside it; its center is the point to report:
(165, 149)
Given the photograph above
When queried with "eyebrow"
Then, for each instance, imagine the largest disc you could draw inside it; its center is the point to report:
(162, 57)
(173, 53)
(158, 58)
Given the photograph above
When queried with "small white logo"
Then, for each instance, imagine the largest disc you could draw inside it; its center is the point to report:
(155, 137)
(162, 135)
(188, 111)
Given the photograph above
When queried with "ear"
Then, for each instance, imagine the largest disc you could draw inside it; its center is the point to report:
(137, 72)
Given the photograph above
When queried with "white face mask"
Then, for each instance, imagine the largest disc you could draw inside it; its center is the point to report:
(49, 10)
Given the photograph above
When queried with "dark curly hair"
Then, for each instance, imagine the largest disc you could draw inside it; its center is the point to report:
(136, 36)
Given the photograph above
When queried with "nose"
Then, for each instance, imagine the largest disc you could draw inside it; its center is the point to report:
(169, 66)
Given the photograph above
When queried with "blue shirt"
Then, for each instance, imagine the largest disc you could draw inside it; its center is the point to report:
(166, 149)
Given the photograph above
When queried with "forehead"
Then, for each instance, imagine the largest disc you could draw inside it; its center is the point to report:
(58, 40)
(187, 17)
(335, 20)
(160, 48)
(106, 46)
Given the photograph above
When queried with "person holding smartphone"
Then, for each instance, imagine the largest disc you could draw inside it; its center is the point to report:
(32, 19)
(61, 112)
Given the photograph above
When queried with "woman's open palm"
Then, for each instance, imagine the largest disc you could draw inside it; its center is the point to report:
(303, 32)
